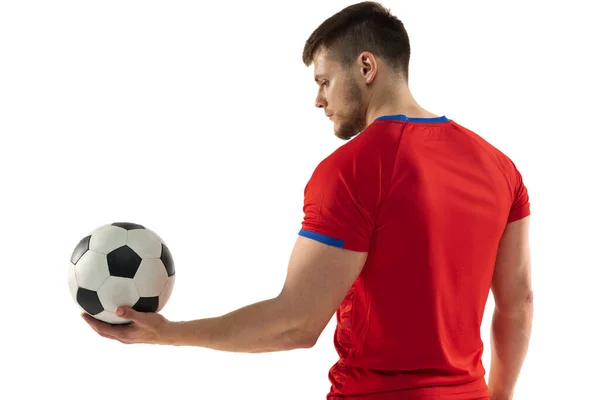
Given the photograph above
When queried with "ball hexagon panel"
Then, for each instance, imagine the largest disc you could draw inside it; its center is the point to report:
(144, 242)
(107, 238)
(118, 291)
(91, 270)
(156, 234)
(111, 318)
(123, 262)
(151, 277)
(166, 293)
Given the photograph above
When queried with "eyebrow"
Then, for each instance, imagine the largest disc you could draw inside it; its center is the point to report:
(318, 77)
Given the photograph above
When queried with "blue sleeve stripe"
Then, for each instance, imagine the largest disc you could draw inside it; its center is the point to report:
(321, 238)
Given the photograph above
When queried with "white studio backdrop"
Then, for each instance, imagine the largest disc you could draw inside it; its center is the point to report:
(197, 119)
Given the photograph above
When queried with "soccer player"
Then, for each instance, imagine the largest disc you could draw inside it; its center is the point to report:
(406, 228)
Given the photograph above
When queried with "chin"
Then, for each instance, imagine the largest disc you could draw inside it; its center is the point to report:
(345, 132)
(345, 135)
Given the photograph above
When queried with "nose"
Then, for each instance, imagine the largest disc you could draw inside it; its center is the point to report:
(320, 101)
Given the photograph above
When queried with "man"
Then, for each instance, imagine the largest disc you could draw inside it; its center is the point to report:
(407, 227)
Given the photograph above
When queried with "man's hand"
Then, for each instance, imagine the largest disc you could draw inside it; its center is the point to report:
(147, 328)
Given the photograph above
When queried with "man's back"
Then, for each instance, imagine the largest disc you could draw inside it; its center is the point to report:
(410, 325)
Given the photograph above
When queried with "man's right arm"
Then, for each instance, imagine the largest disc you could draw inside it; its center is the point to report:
(513, 313)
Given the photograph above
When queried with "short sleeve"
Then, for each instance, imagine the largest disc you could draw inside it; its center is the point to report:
(340, 202)
(521, 206)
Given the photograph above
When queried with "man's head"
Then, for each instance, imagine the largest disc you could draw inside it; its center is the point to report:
(356, 53)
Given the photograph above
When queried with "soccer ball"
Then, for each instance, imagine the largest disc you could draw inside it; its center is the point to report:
(121, 264)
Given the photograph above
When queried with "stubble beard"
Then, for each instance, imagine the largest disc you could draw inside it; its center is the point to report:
(354, 121)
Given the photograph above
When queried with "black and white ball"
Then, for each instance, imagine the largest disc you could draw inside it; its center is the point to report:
(121, 264)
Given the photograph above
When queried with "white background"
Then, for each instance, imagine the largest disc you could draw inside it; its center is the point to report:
(198, 121)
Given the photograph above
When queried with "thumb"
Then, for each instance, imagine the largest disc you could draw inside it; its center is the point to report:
(130, 314)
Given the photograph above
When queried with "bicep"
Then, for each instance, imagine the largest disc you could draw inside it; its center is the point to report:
(511, 283)
(318, 278)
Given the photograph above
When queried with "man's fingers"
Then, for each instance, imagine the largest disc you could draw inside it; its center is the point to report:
(116, 332)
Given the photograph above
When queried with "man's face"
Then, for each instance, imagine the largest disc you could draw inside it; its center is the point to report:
(341, 96)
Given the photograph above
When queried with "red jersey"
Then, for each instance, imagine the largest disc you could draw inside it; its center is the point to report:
(428, 200)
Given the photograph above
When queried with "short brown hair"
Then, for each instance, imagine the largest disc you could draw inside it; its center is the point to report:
(365, 26)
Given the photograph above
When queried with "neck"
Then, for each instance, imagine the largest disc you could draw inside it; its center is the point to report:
(398, 100)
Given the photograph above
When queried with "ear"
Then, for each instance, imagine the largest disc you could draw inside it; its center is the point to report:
(368, 66)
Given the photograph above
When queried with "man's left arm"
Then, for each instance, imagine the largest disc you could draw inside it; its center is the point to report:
(318, 278)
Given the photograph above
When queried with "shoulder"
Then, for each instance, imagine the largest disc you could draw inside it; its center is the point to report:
(504, 162)
(372, 149)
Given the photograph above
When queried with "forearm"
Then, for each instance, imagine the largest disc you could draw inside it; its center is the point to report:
(265, 326)
(510, 335)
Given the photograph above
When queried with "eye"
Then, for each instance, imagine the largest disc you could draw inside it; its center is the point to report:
(324, 83)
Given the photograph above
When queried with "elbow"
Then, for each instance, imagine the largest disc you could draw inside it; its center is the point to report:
(302, 338)
(308, 342)
(517, 304)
